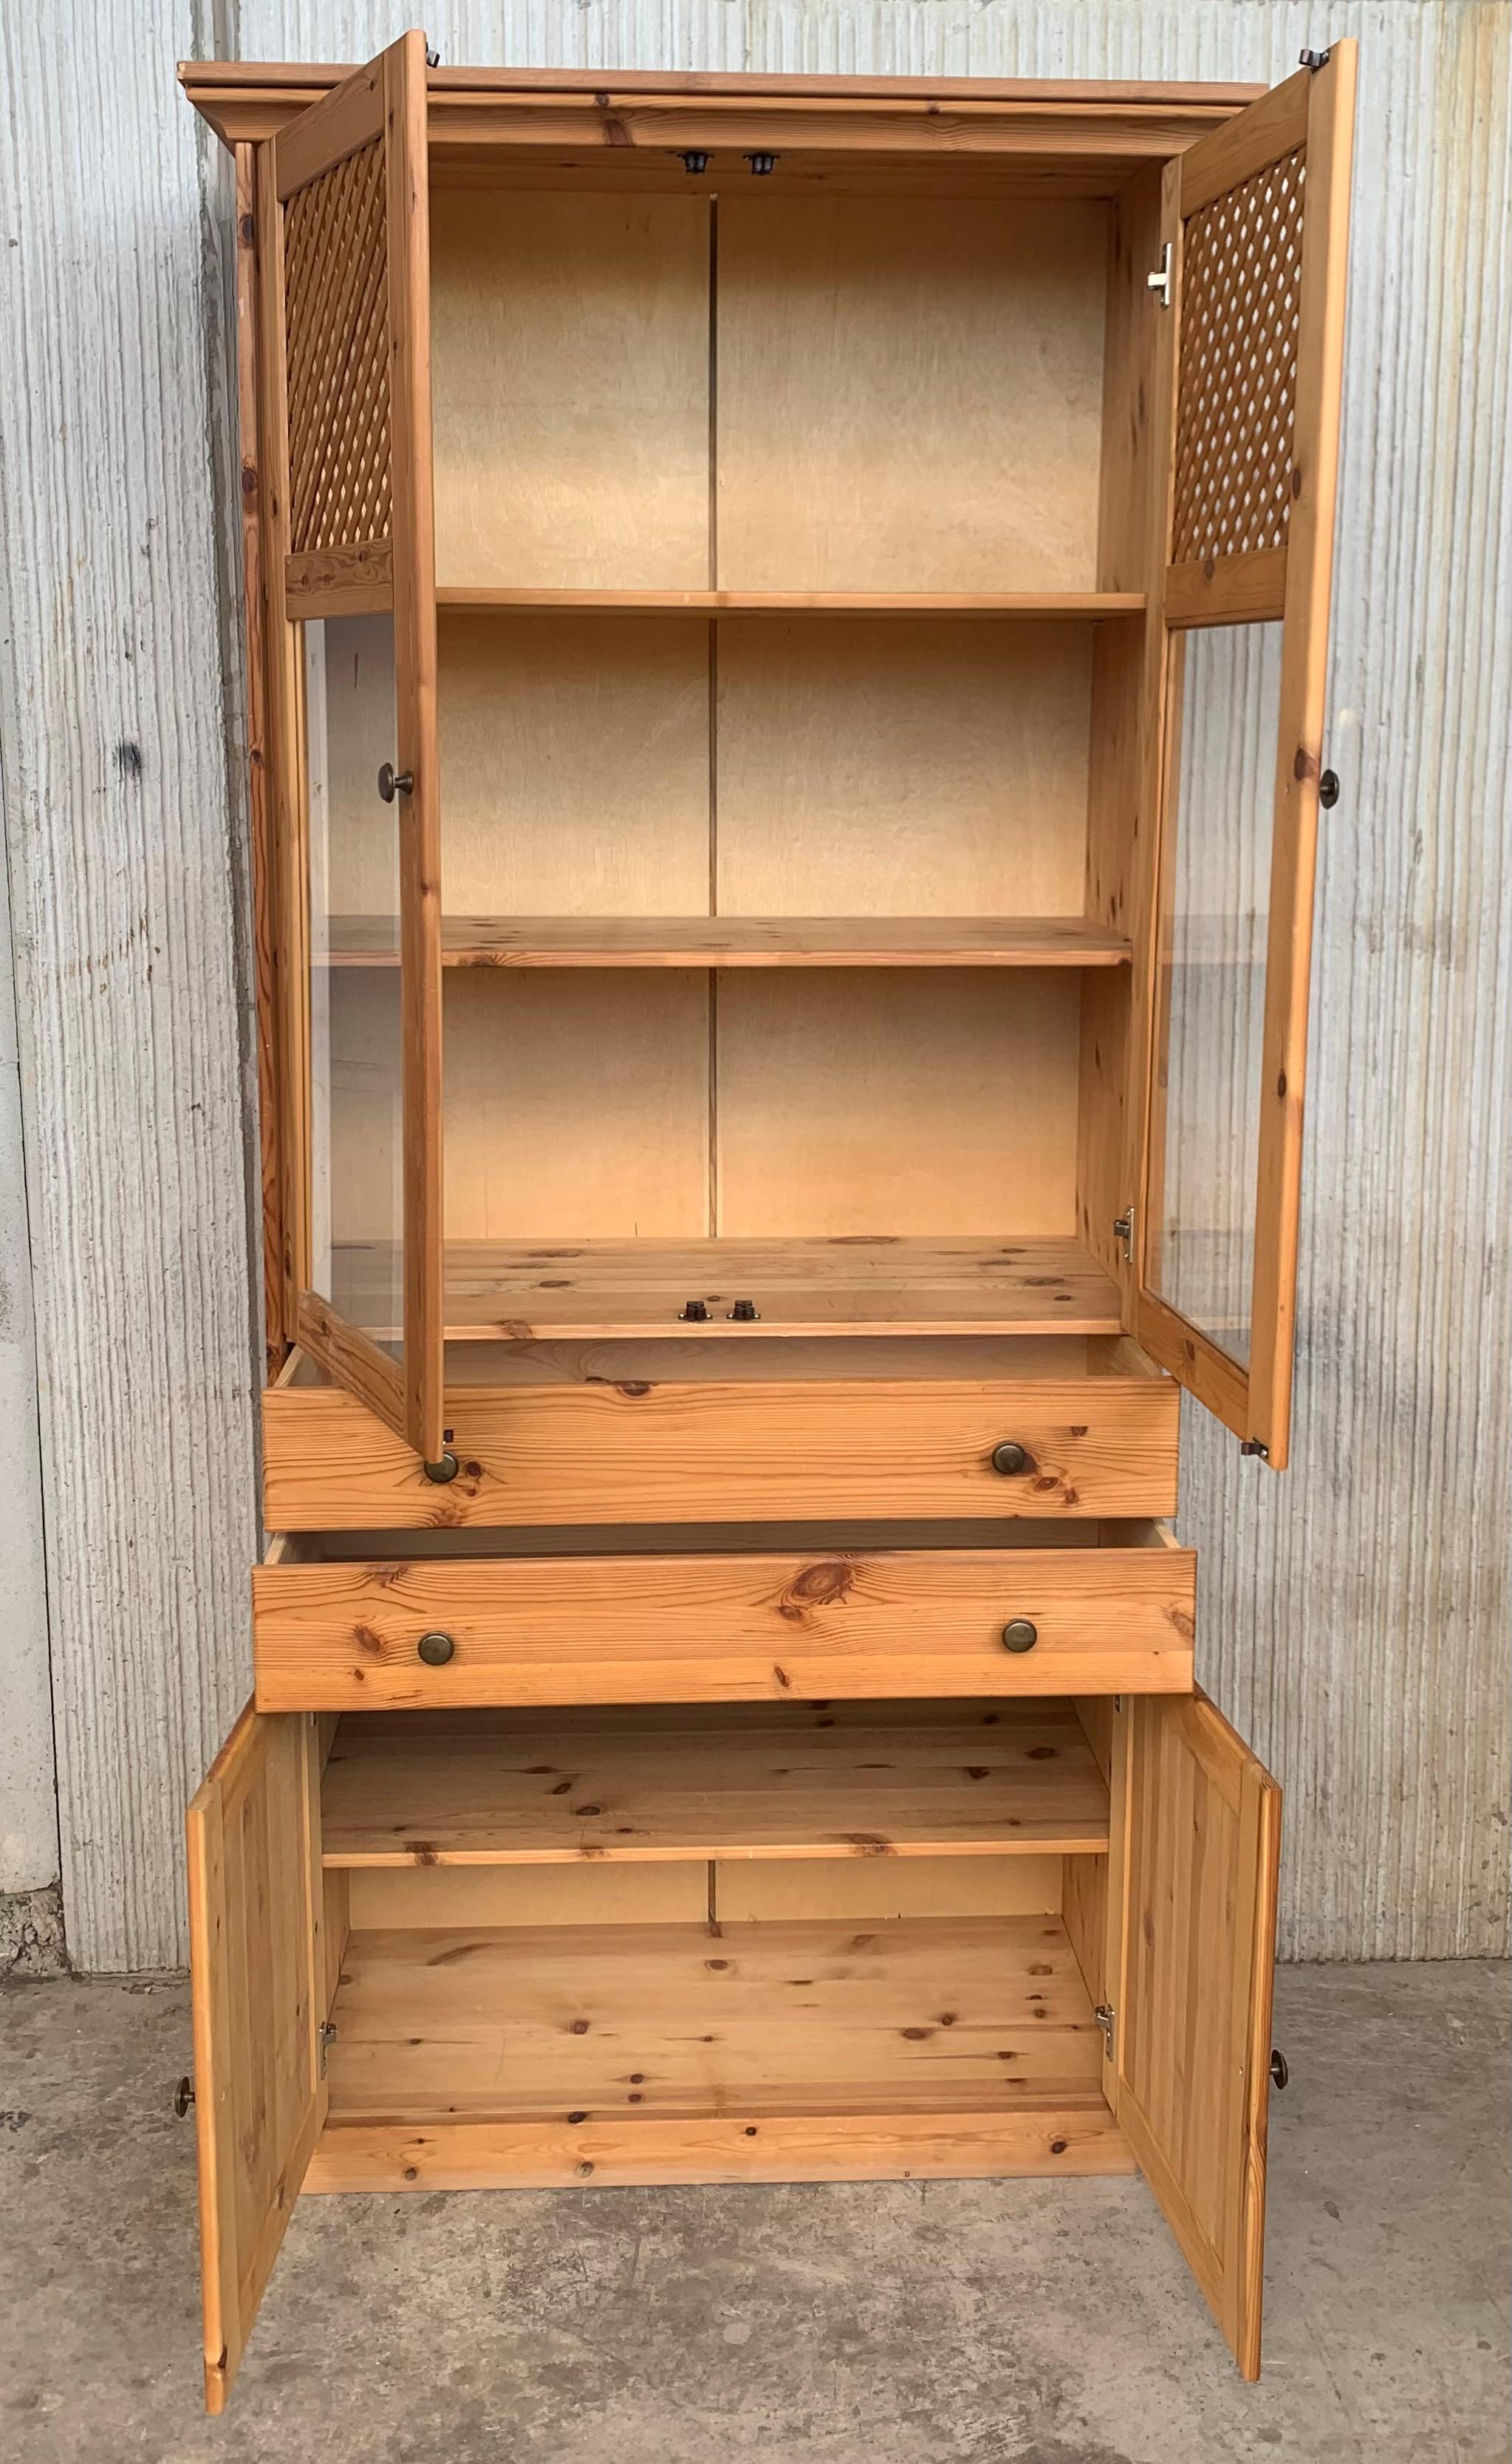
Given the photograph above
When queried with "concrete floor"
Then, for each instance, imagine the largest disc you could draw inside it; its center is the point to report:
(1013, 2323)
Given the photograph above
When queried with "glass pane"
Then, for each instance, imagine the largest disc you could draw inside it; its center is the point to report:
(1225, 716)
(355, 1031)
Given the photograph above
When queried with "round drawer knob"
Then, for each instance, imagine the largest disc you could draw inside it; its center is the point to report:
(1019, 1635)
(1010, 1457)
(435, 1649)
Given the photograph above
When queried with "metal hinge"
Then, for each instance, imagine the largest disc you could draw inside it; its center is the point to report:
(1105, 2015)
(1160, 279)
(1124, 1230)
(1315, 60)
(325, 2033)
(1254, 1446)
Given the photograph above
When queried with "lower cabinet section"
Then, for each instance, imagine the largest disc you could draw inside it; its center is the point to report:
(799, 1941)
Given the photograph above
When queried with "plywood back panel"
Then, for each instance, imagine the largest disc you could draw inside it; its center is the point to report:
(576, 1105)
(909, 393)
(901, 1103)
(570, 359)
(902, 769)
(595, 1894)
(574, 765)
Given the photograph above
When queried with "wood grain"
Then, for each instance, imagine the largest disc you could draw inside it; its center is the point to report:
(1202, 1828)
(752, 1627)
(745, 941)
(498, 1790)
(1021, 604)
(257, 1970)
(802, 2016)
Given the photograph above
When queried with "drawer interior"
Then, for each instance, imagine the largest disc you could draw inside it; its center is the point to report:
(850, 1911)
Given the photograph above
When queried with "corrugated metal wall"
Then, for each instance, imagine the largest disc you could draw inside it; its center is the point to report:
(1355, 1611)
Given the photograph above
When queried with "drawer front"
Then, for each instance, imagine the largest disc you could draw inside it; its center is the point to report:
(725, 1629)
(593, 1454)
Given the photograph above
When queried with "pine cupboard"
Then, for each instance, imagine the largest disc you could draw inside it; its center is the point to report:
(786, 631)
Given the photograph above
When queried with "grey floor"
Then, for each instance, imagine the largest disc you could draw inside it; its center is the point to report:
(1012, 2323)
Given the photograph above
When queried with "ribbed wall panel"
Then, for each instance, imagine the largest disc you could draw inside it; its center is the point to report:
(1355, 1610)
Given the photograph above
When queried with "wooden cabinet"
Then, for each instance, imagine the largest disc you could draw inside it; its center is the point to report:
(787, 625)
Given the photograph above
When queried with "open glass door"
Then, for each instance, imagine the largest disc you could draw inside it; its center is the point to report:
(1256, 220)
(344, 247)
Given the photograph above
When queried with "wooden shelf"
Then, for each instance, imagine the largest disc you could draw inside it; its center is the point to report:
(1079, 604)
(506, 1789)
(648, 2022)
(521, 1292)
(741, 941)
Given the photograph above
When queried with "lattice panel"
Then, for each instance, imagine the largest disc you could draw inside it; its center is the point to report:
(335, 305)
(1241, 299)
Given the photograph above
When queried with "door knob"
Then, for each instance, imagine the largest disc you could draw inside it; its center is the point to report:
(392, 783)
(1279, 2069)
(1019, 1635)
(435, 1649)
(1010, 1457)
(182, 2096)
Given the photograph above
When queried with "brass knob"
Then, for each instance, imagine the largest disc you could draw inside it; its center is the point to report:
(183, 2096)
(435, 1649)
(1019, 1635)
(1010, 1457)
(392, 783)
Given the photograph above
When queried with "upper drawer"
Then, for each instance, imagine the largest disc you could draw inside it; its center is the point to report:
(722, 1432)
(1106, 1609)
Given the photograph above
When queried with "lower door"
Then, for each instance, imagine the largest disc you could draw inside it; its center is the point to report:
(1196, 1834)
(260, 2000)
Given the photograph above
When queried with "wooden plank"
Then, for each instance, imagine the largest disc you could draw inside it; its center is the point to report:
(1072, 606)
(570, 373)
(415, 660)
(370, 1375)
(858, 1889)
(1271, 126)
(1304, 685)
(341, 581)
(909, 395)
(306, 80)
(845, 1285)
(257, 1962)
(1250, 588)
(667, 2022)
(1067, 2136)
(755, 1627)
(491, 1792)
(1192, 2044)
(745, 941)
(326, 132)
(262, 816)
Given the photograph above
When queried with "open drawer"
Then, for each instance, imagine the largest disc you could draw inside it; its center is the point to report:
(757, 1945)
(751, 1428)
(407, 1619)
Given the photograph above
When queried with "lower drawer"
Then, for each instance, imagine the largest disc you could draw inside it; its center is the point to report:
(409, 1625)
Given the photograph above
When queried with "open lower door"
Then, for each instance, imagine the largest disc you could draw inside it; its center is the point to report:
(344, 258)
(257, 1971)
(1196, 1828)
(1256, 220)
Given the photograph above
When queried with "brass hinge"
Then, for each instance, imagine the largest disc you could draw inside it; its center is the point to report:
(1105, 2015)
(1160, 280)
(325, 2033)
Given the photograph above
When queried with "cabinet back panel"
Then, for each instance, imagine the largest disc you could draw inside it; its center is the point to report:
(570, 389)
(606, 1894)
(909, 393)
(574, 765)
(576, 1106)
(907, 1103)
(902, 769)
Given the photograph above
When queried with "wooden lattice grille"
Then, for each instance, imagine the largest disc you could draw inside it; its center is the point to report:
(336, 294)
(1240, 299)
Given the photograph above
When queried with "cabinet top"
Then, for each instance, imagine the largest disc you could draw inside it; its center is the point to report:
(655, 109)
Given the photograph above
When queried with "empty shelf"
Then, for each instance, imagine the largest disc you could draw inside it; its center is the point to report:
(741, 941)
(1077, 603)
(510, 1788)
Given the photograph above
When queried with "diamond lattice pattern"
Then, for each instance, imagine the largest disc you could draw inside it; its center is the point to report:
(1240, 296)
(335, 293)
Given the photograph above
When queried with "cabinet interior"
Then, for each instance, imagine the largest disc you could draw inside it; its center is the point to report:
(790, 652)
(799, 1910)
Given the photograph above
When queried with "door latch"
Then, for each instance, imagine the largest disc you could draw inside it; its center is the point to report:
(1105, 2015)
(325, 2033)
(1124, 1230)
(1160, 280)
